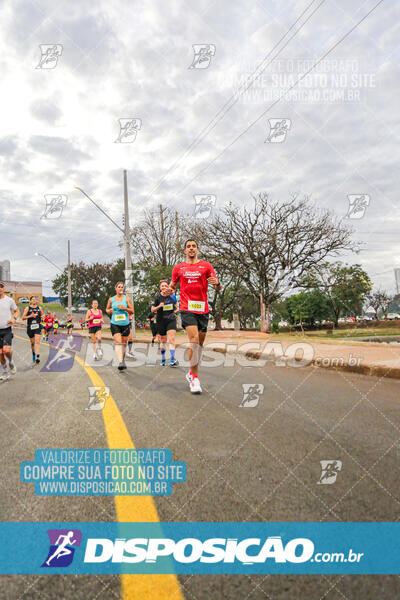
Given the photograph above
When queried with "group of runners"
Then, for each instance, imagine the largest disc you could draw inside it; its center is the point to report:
(193, 276)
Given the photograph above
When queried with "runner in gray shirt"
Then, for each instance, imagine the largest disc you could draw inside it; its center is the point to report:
(8, 314)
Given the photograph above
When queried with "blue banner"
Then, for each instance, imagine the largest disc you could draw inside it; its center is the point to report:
(200, 548)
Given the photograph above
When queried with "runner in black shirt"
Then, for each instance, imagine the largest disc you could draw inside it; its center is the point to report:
(165, 305)
(33, 316)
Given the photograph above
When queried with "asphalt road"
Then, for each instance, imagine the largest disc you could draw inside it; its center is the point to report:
(259, 463)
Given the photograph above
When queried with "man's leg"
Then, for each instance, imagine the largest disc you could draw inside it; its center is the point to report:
(193, 335)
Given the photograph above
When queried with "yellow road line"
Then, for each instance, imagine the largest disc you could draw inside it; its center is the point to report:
(132, 508)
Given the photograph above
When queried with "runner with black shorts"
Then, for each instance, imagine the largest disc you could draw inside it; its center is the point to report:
(194, 276)
(165, 306)
(33, 316)
(94, 318)
(120, 307)
(7, 308)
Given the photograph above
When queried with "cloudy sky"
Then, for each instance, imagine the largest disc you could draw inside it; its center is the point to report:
(131, 60)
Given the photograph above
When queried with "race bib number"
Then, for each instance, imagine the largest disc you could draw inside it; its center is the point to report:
(168, 307)
(96, 321)
(196, 305)
(120, 317)
(35, 326)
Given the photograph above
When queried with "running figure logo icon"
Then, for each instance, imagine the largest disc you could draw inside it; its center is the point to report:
(358, 204)
(251, 394)
(62, 547)
(128, 129)
(203, 205)
(203, 54)
(278, 129)
(55, 204)
(50, 55)
(97, 397)
(329, 471)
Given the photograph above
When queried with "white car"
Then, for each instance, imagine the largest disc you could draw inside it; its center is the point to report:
(392, 316)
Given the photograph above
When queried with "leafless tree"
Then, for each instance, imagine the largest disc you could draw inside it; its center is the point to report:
(380, 300)
(272, 245)
(159, 238)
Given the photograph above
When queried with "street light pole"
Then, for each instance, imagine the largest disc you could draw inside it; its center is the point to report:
(48, 260)
(62, 271)
(125, 232)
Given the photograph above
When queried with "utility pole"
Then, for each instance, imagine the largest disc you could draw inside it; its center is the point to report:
(69, 279)
(128, 258)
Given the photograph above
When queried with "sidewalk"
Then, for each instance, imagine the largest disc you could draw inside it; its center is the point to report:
(367, 358)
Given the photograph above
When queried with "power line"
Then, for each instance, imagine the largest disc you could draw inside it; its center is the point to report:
(278, 100)
(235, 97)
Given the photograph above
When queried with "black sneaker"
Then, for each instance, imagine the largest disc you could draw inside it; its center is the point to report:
(173, 363)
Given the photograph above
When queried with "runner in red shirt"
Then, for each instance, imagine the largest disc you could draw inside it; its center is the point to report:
(48, 323)
(194, 276)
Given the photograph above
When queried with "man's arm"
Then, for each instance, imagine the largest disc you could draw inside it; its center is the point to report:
(213, 280)
(15, 310)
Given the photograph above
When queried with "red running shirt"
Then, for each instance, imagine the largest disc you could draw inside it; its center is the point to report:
(193, 285)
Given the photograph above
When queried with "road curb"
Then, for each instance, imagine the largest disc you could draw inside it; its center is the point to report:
(371, 370)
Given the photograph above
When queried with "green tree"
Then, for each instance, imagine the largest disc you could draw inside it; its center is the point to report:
(307, 307)
(90, 282)
(345, 287)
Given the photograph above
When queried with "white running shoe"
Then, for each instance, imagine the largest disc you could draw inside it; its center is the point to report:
(12, 367)
(130, 355)
(189, 377)
(4, 375)
(94, 356)
(195, 386)
(99, 352)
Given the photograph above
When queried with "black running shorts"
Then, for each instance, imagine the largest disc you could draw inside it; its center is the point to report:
(166, 325)
(95, 329)
(194, 319)
(124, 330)
(32, 332)
(6, 337)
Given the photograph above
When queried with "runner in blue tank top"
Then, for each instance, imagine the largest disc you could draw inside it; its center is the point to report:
(120, 308)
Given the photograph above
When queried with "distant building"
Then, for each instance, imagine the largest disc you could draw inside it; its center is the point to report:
(22, 290)
(5, 274)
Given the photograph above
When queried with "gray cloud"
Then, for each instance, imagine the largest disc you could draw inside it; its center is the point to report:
(122, 60)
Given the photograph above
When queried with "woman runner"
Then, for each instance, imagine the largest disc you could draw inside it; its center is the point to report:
(94, 317)
(120, 307)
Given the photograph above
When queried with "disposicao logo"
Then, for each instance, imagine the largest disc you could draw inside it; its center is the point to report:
(191, 550)
(62, 547)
